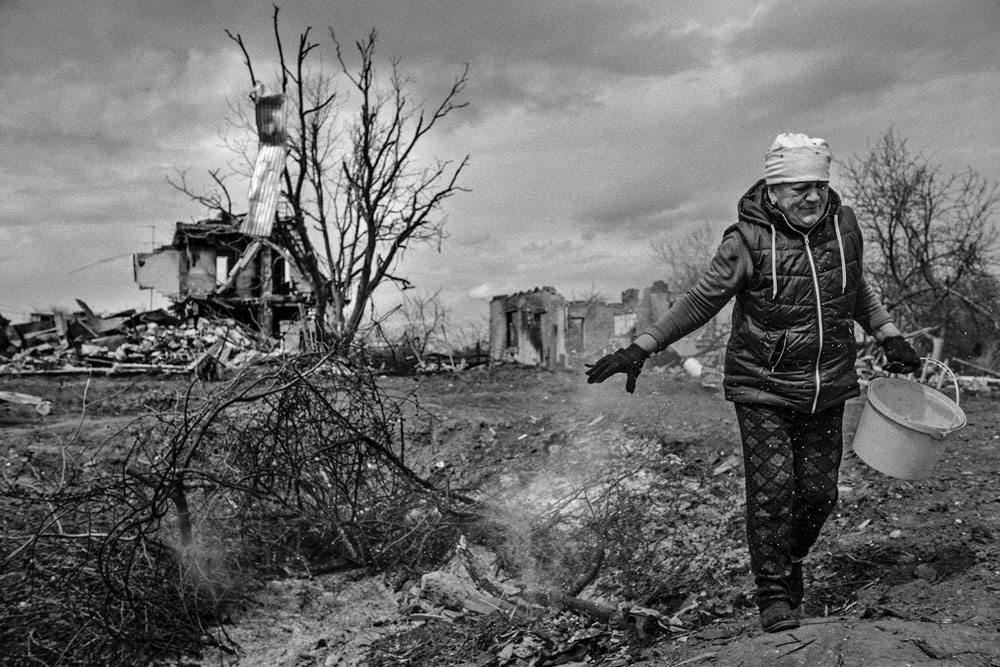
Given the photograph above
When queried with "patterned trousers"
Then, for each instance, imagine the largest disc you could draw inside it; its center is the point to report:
(791, 463)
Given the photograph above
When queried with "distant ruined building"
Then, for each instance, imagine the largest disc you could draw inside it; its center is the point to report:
(541, 328)
(529, 328)
(212, 268)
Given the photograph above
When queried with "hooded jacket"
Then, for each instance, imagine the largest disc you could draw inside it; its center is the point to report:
(797, 295)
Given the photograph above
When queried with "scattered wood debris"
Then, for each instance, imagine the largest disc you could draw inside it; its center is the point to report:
(42, 406)
(128, 343)
(984, 382)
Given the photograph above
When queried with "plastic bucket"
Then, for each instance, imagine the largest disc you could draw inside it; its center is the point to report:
(903, 427)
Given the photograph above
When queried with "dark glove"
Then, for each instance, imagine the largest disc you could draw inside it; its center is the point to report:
(900, 356)
(624, 360)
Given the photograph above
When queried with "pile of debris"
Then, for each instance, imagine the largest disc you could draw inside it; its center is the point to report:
(941, 374)
(128, 342)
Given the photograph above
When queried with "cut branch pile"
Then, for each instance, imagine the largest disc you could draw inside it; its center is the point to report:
(288, 469)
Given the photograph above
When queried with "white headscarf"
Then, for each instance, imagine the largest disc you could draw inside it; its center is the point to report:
(796, 157)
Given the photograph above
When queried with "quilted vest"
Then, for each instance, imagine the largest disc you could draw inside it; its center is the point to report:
(792, 341)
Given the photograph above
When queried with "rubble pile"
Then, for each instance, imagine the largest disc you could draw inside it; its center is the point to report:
(153, 341)
(982, 380)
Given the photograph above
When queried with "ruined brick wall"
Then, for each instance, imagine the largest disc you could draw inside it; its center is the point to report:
(591, 326)
(529, 328)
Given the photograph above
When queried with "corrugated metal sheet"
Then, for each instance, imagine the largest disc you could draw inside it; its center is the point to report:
(265, 183)
(265, 189)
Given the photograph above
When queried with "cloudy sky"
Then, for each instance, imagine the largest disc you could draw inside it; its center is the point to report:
(594, 128)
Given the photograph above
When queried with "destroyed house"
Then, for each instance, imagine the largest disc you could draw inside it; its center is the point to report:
(212, 269)
(594, 326)
(597, 327)
(529, 328)
(541, 328)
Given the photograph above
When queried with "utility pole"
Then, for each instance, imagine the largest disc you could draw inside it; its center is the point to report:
(152, 248)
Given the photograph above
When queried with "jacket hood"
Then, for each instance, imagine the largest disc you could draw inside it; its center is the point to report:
(755, 207)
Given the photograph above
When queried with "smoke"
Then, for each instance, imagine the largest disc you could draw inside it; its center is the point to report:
(563, 517)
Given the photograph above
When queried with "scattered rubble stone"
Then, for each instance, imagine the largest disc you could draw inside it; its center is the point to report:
(128, 342)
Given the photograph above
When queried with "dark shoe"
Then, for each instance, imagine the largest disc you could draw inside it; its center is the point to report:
(796, 587)
(777, 617)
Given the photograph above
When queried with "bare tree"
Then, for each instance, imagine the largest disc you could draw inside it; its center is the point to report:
(687, 258)
(932, 239)
(421, 328)
(388, 201)
(354, 194)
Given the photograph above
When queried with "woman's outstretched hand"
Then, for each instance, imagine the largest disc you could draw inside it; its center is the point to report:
(627, 360)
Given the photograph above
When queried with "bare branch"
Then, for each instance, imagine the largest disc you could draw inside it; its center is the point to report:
(246, 56)
(213, 200)
(281, 51)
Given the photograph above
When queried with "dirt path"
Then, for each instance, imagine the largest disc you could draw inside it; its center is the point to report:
(842, 641)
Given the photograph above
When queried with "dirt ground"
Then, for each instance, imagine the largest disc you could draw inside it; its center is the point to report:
(906, 572)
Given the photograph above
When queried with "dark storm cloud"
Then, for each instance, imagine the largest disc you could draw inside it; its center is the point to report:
(543, 56)
(576, 47)
(831, 82)
(958, 32)
(823, 55)
(831, 51)
(622, 38)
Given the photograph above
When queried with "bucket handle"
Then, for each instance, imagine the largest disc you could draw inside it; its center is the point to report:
(957, 424)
